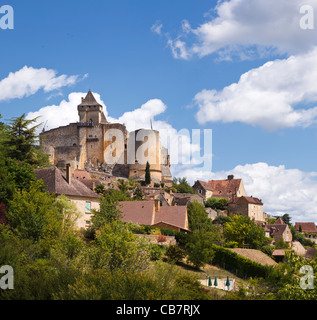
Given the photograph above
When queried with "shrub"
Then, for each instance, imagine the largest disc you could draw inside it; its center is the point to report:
(174, 253)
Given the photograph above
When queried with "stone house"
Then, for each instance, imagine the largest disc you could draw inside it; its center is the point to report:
(150, 213)
(247, 206)
(184, 199)
(279, 230)
(226, 189)
(306, 227)
(63, 183)
(155, 193)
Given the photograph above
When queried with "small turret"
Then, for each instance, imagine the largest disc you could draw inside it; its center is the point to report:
(90, 110)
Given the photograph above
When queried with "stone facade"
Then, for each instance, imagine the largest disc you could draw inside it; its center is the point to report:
(96, 145)
(247, 206)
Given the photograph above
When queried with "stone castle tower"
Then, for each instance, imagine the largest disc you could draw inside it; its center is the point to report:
(94, 144)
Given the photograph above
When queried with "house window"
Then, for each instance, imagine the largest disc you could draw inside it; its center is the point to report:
(88, 207)
(200, 191)
(87, 223)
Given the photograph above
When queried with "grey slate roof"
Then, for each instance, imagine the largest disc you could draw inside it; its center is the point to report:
(56, 182)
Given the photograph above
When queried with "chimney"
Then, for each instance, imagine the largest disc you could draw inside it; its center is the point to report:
(68, 173)
(157, 205)
(230, 177)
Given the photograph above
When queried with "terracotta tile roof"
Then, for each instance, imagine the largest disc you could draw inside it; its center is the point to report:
(278, 252)
(306, 227)
(143, 212)
(224, 187)
(276, 229)
(279, 221)
(55, 181)
(183, 199)
(81, 174)
(175, 215)
(205, 185)
(139, 212)
(247, 199)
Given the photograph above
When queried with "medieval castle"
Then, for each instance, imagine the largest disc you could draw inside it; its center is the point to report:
(95, 145)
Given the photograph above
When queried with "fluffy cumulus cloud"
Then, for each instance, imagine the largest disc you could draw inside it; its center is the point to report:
(53, 116)
(28, 80)
(249, 28)
(282, 190)
(271, 96)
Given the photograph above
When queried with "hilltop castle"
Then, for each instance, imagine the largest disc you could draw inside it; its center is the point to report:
(96, 145)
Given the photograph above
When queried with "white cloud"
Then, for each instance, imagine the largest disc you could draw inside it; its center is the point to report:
(157, 27)
(282, 190)
(248, 28)
(29, 80)
(271, 96)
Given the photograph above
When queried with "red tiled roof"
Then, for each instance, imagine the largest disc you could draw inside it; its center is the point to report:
(55, 181)
(222, 187)
(138, 212)
(205, 185)
(142, 212)
(175, 215)
(247, 199)
(278, 252)
(306, 227)
(81, 174)
(275, 229)
(279, 221)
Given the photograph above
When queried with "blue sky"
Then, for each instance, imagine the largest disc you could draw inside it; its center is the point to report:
(187, 56)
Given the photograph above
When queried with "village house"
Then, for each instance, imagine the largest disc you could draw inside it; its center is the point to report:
(154, 193)
(60, 183)
(184, 199)
(279, 230)
(247, 206)
(307, 228)
(150, 213)
(226, 189)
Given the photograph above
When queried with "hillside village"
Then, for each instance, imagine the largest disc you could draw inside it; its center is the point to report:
(69, 203)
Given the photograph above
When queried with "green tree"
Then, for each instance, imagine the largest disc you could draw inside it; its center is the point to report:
(138, 193)
(32, 215)
(243, 230)
(68, 212)
(182, 186)
(123, 185)
(197, 217)
(108, 212)
(100, 189)
(216, 203)
(174, 253)
(147, 174)
(19, 141)
(119, 248)
(20, 138)
(199, 248)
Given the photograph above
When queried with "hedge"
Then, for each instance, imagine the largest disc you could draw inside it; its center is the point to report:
(240, 266)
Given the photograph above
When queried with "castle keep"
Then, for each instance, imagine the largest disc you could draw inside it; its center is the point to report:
(96, 145)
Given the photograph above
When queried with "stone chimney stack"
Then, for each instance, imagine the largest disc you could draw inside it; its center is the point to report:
(230, 177)
(68, 173)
